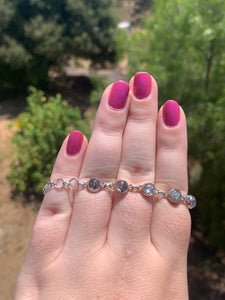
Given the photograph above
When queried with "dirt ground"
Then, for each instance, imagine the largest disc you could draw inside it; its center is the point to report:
(206, 271)
(16, 220)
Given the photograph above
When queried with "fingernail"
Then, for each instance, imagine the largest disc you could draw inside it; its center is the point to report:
(74, 143)
(142, 85)
(171, 113)
(118, 95)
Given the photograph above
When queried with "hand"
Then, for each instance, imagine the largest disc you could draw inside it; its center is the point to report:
(108, 245)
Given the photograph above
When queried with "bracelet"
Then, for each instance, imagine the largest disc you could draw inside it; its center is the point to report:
(94, 185)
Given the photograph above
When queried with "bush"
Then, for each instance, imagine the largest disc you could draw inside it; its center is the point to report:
(207, 147)
(38, 138)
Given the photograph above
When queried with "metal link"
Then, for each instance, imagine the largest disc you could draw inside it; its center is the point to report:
(112, 185)
(83, 184)
(130, 187)
(59, 187)
(109, 186)
(184, 197)
(140, 187)
(161, 193)
(134, 188)
(76, 186)
(156, 191)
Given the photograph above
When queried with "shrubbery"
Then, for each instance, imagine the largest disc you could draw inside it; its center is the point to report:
(38, 138)
(207, 148)
(99, 83)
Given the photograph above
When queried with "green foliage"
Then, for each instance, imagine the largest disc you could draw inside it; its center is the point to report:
(38, 138)
(99, 83)
(182, 45)
(122, 43)
(85, 125)
(207, 147)
(36, 35)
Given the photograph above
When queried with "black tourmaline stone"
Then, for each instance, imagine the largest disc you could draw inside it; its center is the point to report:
(94, 185)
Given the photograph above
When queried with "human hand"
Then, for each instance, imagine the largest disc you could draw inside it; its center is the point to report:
(111, 245)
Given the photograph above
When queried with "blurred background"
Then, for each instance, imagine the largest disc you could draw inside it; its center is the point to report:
(56, 58)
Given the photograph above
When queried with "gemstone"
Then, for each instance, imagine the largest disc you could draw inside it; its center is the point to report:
(191, 201)
(121, 186)
(148, 189)
(94, 185)
(174, 195)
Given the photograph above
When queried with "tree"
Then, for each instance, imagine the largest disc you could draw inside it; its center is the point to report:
(182, 45)
(141, 7)
(38, 34)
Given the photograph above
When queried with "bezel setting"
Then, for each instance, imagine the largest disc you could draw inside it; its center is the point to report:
(174, 195)
(148, 189)
(94, 185)
(121, 186)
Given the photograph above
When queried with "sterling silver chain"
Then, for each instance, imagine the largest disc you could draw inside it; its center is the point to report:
(95, 185)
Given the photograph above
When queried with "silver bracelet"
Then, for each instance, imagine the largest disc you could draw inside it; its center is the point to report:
(95, 185)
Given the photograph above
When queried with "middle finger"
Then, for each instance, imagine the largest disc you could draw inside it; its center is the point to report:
(131, 214)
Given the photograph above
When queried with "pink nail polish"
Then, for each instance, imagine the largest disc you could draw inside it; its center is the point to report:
(142, 85)
(118, 95)
(171, 113)
(74, 143)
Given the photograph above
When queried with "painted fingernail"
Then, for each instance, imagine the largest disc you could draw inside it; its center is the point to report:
(142, 85)
(171, 113)
(74, 143)
(118, 95)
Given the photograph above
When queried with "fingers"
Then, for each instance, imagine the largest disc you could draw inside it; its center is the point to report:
(53, 220)
(170, 226)
(131, 214)
(91, 211)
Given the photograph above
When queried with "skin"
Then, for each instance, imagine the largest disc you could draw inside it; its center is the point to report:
(110, 246)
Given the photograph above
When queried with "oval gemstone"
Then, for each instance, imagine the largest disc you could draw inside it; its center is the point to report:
(191, 201)
(174, 195)
(94, 185)
(148, 189)
(121, 186)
